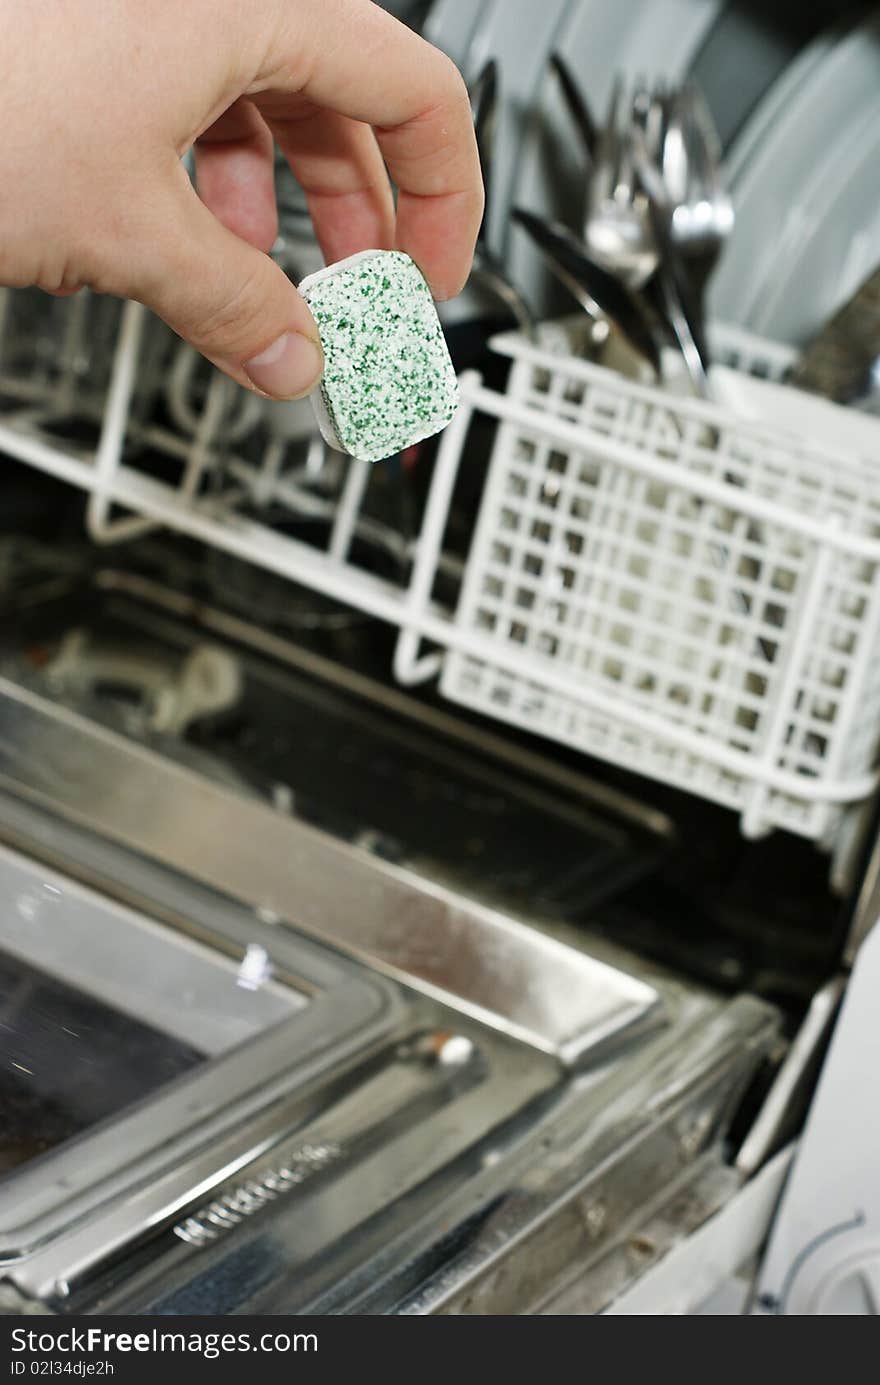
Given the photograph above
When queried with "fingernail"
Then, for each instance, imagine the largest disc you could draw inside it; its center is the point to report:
(287, 369)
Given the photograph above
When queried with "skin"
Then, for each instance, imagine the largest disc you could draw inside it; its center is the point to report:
(102, 100)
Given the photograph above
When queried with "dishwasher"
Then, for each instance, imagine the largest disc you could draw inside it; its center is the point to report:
(443, 886)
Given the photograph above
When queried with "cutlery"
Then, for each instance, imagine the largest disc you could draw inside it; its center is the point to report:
(597, 290)
(618, 231)
(577, 108)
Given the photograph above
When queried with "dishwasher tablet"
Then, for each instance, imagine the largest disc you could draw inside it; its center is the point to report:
(388, 380)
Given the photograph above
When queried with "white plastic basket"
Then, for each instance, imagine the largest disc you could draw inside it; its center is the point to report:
(694, 595)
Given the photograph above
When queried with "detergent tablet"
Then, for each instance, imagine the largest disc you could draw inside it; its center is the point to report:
(388, 380)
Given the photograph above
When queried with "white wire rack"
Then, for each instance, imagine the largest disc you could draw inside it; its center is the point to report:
(708, 584)
(653, 580)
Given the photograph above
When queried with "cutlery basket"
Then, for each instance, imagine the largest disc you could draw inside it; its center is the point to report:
(671, 587)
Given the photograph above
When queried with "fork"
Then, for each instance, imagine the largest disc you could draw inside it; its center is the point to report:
(703, 215)
(630, 207)
(618, 233)
(660, 159)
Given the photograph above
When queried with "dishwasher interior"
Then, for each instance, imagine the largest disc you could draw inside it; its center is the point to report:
(322, 990)
(420, 983)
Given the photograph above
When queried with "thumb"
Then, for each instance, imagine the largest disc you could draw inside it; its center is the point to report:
(226, 298)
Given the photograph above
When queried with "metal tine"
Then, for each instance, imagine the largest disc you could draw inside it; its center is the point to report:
(604, 179)
(675, 161)
(577, 107)
(626, 173)
(706, 144)
(648, 112)
(655, 126)
(640, 103)
(647, 135)
(642, 136)
(680, 136)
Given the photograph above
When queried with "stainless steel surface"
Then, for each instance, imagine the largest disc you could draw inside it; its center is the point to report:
(573, 1198)
(694, 1198)
(425, 1187)
(102, 1190)
(132, 963)
(711, 1270)
(366, 1084)
(481, 961)
(290, 1170)
(366, 1133)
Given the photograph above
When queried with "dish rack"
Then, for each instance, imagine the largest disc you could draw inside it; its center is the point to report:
(708, 585)
(656, 581)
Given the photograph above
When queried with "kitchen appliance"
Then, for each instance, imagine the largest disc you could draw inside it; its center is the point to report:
(340, 970)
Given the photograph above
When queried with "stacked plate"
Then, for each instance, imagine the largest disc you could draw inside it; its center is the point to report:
(805, 190)
(802, 165)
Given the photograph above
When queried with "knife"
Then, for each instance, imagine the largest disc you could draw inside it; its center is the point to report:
(576, 106)
(593, 287)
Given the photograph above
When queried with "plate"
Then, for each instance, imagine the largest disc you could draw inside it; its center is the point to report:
(815, 135)
(762, 122)
(822, 269)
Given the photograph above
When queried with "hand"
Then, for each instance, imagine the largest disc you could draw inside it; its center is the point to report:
(100, 101)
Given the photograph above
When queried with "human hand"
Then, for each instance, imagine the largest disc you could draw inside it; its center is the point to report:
(101, 102)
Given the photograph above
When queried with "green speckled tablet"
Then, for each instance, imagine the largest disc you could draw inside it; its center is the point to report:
(388, 380)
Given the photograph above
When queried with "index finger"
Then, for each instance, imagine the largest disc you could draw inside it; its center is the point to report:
(352, 57)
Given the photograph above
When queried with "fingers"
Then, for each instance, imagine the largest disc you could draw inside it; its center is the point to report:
(235, 174)
(220, 293)
(341, 170)
(379, 72)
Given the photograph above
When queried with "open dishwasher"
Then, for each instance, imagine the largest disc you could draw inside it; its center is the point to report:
(431, 888)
